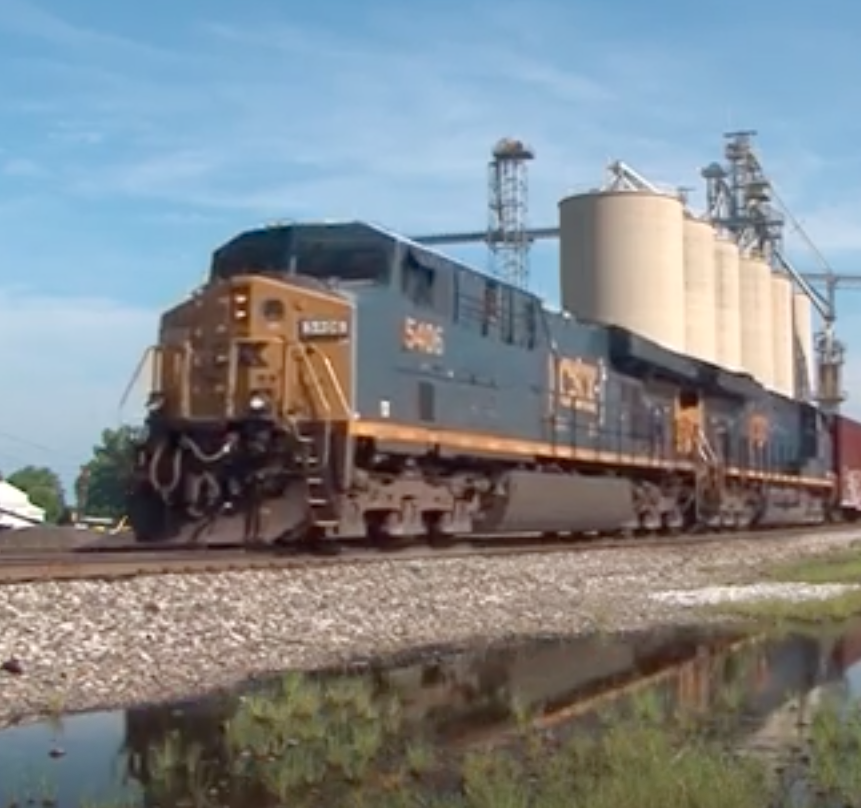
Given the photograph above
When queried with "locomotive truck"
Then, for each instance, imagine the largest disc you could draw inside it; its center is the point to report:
(339, 381)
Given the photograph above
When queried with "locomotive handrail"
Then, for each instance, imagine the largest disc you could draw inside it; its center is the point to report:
(233, 375)
(152, 350)
(306, 354)
(305, 357)
(336, 384)
(707, 453)
(185, 375)
(303, 353)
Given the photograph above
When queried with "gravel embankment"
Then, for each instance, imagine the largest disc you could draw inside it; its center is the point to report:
(87, 644)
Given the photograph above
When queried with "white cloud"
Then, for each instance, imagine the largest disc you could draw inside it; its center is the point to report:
(281, 117)
(66, 362)
(291, 120)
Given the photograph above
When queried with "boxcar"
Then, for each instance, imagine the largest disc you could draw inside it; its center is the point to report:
(847, 464)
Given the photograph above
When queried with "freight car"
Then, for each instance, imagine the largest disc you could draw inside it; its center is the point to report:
(340, 381)
(846, 439)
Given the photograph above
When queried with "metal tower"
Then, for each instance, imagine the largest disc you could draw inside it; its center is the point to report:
(743, 202)
(739, 197)
(508, 207)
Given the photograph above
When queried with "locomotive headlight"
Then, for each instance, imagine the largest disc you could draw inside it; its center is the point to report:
(257, 403)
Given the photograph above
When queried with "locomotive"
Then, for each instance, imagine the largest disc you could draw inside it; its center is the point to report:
(339, 381)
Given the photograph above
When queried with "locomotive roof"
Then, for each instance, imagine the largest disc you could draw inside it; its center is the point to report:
(357, 226)
(360, 228)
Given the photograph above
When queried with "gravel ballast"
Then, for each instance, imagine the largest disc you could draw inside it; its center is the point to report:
(78, 645)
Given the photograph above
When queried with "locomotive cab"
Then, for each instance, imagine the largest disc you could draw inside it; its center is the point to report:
(248, 412)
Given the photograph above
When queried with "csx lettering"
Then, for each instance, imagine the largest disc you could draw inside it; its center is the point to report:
(423, 337)
(578, 385)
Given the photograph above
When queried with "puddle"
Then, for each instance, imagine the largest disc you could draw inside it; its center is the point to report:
(330, 737)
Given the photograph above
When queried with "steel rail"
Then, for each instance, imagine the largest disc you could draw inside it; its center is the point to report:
(110, 565)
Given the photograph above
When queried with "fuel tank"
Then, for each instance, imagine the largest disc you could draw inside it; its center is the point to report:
(539, 501)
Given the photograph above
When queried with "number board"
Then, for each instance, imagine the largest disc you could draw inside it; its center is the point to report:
(323, 329)
(423, 337)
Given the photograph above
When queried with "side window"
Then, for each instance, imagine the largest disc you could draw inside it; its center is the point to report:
(418, 283)
(508, 316)
(530, 316)
(490, 309)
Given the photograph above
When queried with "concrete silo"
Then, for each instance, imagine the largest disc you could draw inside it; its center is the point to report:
(700, 290)
(803, 351)
(728, 304)
(756, 320)
(781, 334)
(622, 263)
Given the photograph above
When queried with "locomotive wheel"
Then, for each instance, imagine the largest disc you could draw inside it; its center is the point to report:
(147, 515)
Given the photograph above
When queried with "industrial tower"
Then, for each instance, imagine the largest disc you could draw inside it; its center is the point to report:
(739, 199)
(508, 235)
(743, 202)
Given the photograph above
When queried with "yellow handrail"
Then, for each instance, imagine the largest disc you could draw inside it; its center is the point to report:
(336, 384)
(332, 376)
(304, 356)
(154, 351)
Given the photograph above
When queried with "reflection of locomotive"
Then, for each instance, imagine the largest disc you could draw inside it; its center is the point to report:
(847, 651)
(451, 695)
(472, 691)
(764, 672)
(340, 381)
(467, 694)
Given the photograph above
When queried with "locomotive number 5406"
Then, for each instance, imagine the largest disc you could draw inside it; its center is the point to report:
(423, 337)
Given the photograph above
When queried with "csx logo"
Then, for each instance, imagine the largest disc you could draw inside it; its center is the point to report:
(423, 337)
(577, 385)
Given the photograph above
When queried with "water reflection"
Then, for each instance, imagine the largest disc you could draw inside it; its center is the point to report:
(328, 738)
(70, 761)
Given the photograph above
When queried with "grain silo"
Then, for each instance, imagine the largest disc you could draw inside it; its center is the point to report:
(803, 355)
(621, 262)
(781, 334)
(756, 320)
(727, 304)
(700, 290)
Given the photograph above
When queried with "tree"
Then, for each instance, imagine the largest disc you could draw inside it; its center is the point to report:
(103, 481)
(44, 488)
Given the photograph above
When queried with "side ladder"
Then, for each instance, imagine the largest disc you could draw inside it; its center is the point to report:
(315, 439)
(710, 476)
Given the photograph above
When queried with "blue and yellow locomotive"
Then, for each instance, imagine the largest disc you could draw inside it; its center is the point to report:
(339, 381)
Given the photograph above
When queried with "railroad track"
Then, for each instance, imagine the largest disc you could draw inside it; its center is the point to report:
(130, 562)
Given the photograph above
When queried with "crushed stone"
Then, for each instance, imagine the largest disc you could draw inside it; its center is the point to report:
(91, 644)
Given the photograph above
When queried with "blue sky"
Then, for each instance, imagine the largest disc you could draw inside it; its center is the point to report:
(135, 137)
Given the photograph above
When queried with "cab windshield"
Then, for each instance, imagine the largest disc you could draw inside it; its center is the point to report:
(349, 253)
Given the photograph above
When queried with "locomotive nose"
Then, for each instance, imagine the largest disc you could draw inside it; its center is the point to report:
(251, 390)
